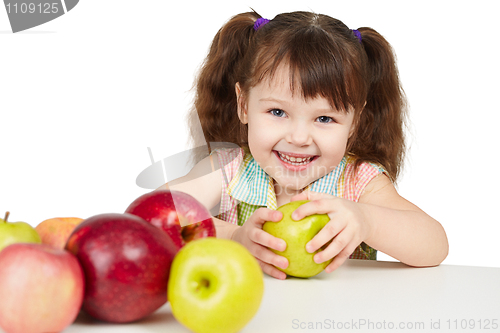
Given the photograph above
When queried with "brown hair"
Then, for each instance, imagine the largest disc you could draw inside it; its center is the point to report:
(325, 58)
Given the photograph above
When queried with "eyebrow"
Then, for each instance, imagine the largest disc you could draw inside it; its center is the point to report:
(330, 110)
(272, 99)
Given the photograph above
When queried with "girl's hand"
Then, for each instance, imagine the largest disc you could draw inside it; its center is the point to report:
(347, 228)
(257, 241)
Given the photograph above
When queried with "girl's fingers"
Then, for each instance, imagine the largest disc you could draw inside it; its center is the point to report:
(316, 206)
(341, 258)
(325, 235)
(271, 270)
(343, 242)
(263, 238)
(259, 236)
(262, 215)
(267, 256)
(309, 195)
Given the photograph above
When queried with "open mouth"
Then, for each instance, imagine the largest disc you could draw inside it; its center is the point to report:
(295, 159)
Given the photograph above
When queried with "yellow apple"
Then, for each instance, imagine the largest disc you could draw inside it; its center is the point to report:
(56, 231)
(297, 234)
(16, 232)
(215, 286)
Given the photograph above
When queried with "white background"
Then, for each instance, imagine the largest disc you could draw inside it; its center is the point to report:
(83, 96)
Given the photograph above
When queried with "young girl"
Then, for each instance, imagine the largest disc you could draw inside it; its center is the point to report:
(317, 112)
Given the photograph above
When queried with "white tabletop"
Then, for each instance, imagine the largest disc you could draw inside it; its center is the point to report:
(360, 296)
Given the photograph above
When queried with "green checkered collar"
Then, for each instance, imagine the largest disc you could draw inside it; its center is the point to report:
(252, 185)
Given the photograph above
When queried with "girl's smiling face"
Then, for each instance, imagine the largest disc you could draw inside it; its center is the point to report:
(294, 140)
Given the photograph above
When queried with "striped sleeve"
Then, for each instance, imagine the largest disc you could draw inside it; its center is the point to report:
(229, 162)
(355, 184)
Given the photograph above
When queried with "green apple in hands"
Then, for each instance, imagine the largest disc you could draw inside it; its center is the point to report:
(16, 232)
(297, 234)
(215, 286)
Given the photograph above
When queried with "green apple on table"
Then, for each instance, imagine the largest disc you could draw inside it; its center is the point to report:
(16, 232)
(297, 234)
(215, 286)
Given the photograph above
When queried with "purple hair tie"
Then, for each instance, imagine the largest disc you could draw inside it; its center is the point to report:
(259, 23)
(357, 34)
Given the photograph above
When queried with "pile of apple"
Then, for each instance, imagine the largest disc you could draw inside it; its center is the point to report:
(121, 268)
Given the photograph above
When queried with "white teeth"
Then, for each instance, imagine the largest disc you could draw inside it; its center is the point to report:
(294, 160)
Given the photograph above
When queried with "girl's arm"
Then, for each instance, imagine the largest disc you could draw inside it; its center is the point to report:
(400, 228)
(203, 182)
(382, 219)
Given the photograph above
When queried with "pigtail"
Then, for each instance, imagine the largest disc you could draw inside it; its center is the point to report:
(215, 102)
(380, 128)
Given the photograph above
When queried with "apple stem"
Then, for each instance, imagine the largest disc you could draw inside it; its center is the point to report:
(6, 216)
(204, 283)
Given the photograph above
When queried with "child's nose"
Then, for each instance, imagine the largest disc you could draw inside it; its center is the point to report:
(299, 135)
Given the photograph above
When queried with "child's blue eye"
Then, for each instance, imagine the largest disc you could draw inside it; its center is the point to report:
(277, 112)
(325, 119)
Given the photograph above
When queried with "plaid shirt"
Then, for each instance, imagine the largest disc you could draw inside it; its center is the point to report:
(246, 187)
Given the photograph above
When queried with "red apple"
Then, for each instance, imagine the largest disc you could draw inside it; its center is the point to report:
(180, 215)
(126, 262)
(41, 288)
